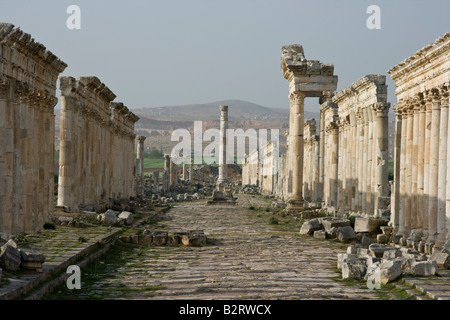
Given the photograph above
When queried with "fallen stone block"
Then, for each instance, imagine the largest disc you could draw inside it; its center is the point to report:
(145, 239)
(328, 224)
(387, 230)
(126, 216)
(442, 259)
(177, 237)
(390, 270)
(109, 217)
(366, 241)
(346, 234)
(332, 233)
(354, 268)
(377, 250)
(194, 239)
(372, 260)
(320, 234)
(10, 258)
(424, 268)
(392, 254)
(367, 224)
(352, 249)
(341, 257)
(383, 238)
(310, 226)
(362, 251)
(447, 246)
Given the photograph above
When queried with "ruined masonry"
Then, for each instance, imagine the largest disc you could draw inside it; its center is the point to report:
(28, 75)
(97, 144)
(421, 189)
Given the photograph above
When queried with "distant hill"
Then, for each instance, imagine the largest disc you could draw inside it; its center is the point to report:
(238, 110)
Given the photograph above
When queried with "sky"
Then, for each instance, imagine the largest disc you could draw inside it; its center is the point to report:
(174, 52)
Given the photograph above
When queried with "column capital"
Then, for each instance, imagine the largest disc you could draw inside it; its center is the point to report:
(381, 109)
(141, 138)
(444, 95)
(297, 97)
(333, 128)
(435, 98)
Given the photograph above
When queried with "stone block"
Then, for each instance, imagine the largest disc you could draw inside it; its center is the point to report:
(310, 226)
(320, 234)
(392, 253)
(383, 238)
(442, 259)
(372, 260)
(390, 270)
(328, 224)
(447, 246)
(377, 250)
(424, 268)
(194, 239)
(109, 217)
(145, 239)
(341, 257)
(126, 216)
(362, 251)
(367, 224)
(160, 238)
(352, 249)
(366, 241)
(30, 255)
(346, 234)
(354, 268)
(332, 234)
(177, 237)
(386, 230)
(10, 258)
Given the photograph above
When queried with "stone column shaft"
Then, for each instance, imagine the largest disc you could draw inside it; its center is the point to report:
(223, 177)
(442, 171)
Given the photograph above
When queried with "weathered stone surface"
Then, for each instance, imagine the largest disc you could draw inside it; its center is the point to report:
(332, 233)
(390, 270)
(160, 238)
(177, 237)
(442, 259)
(386, 230)
(109, 217)
(126, 216)
(145, 239)
(341, 257)
(346, 234)
(354, 268)
(424, 268)
(320, 234)
(377, 250)
(308, 227)
(30, 255)
(383, 238)
(367, 224)
(366, 241)
(392, 254)
(328, 224)
(10, 258)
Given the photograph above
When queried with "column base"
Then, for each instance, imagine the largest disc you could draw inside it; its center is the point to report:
(295, 206)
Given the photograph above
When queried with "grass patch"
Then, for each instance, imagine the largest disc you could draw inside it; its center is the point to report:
(273, 220)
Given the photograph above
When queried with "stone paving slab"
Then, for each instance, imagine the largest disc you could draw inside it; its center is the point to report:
(62, 247)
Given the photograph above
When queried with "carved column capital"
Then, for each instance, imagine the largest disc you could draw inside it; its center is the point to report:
(381, 109)
(297, 97)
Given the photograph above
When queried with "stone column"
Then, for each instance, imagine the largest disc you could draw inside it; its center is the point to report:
(442, 179)
(333, 130)
(295, 202)
(316, 170)
(415, 233)
(191, 172)
(420, 164)
(223, 176)
(445, 100)
(402, 181)
(382, 155)
(434, 167)
(365, 157)
(155, 181)
(320, 192)
(140, 165)
(426, 167)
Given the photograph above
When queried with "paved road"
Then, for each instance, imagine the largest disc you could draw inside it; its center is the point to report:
(246, 258)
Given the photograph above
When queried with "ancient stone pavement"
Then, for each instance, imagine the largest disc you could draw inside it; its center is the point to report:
(246, 257)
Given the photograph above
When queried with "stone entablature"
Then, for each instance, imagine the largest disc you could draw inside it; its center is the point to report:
(363, 184)
(97, 145)
(28, 74)
(421, 189)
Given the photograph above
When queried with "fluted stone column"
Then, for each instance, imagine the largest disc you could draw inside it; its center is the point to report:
(333, 130)
(382, 155)
(295, 202)
(320, 192)
(442, 171)
(421, 164)
(402, 231)
(223, 175)
(434, 167)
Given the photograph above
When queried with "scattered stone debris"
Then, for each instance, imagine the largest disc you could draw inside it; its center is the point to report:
(193, 238)
(13, 258)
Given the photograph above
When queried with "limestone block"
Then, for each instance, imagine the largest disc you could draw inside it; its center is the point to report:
(377, 250)
(145, 239)
(30, 255)
(177, 236)
(195, 238)
(328, 224)
(346, 234)
(367, 224)
(310, 226)
(126, 216)
(447, 246)
(442, 259)
(160, 238)
(387, 230)
(354, 268)
(390, 270)
(392, 254)
(10, 258)
(352, 249)
(372, 269)
(341, 257)
(372, 260)
(383, 238)
(332, 234)
(424, 268)
(109, 217)
(320, 234)
(366, 241)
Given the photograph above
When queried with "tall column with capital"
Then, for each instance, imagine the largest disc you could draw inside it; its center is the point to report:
(420, 163)
(445, 101)
(320, 192)
(434, 167)
(442, 95)
(223, 175)
(295, 202)
(414, 170)
(395, 195)
(402, 231)
(382, 155)
(333, 130)
(426, 166)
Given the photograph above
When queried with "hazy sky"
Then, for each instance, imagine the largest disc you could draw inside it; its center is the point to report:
(160, 53)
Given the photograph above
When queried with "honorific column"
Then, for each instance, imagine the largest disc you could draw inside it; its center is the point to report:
(223, 175)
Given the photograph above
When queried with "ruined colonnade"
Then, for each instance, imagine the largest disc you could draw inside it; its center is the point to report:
(28, 75)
